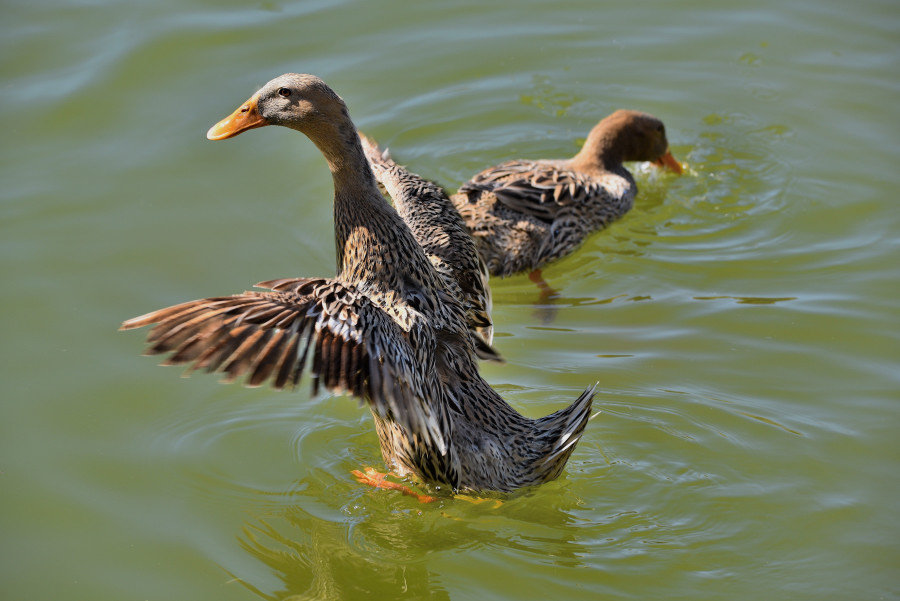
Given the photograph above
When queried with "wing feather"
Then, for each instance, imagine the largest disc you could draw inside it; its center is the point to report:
(328, 328)
(533, 188)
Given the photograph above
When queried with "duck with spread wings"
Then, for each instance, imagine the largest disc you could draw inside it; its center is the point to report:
(391, 328)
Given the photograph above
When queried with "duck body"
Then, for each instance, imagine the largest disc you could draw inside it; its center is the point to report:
(523, 214)
(390, 328)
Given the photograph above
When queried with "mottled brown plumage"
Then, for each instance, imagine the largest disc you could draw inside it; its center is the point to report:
(437, 226)
(389, 328)
(523, 214)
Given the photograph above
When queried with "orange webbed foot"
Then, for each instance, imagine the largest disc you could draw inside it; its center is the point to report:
(545, 312)
(375, 478)
(547, 292)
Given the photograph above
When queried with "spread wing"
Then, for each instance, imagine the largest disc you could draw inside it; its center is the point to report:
(442, 234)
(531, 187)
(347, 343)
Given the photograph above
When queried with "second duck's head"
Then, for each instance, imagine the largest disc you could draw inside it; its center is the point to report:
(629, 136)
(299, 101)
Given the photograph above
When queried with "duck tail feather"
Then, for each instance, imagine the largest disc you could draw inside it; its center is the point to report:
(561, 431)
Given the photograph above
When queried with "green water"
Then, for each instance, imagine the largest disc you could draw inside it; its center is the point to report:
(742, 320)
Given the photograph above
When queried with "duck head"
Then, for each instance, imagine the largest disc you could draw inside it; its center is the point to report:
(299, 101)
(629, 136)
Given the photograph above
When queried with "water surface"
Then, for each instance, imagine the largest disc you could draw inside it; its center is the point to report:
(742, 320)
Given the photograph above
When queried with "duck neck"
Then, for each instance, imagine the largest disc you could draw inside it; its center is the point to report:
(365, 225)
(601, 152)
(341, 148)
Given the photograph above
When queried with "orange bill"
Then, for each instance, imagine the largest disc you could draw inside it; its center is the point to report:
(246, 117)
(669, 162)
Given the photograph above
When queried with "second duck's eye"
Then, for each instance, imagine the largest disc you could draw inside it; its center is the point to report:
(284, 92)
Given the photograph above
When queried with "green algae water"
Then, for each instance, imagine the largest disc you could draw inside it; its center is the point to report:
(741, 321)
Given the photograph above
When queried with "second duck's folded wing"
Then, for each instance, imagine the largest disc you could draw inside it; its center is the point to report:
(538, 189)
(347, 343)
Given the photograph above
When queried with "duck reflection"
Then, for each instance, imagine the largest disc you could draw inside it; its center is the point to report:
(382, 545)
(314, 561)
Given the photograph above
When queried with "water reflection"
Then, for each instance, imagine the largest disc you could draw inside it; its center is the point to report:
(382, 545)
(312, 559)
(750, 300)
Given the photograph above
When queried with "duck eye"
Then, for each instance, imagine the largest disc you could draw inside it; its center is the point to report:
(284, 92)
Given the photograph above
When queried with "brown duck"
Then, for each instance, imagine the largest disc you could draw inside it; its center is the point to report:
(389, 328)
(524, 214)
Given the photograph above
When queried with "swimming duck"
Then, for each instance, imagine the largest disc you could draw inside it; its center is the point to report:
(525, 213)
(386, 329)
